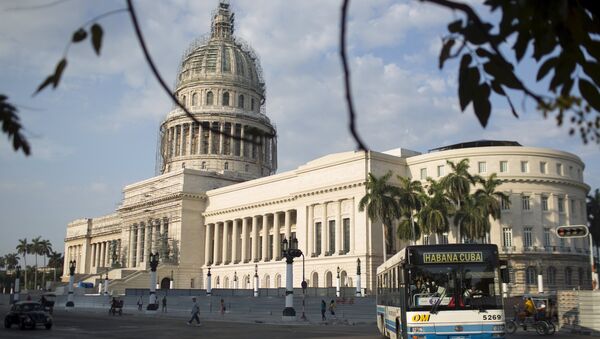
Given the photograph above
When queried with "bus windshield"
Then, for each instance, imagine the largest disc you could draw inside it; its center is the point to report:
(454, 286)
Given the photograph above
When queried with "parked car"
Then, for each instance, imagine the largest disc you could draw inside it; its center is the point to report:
(28, 314)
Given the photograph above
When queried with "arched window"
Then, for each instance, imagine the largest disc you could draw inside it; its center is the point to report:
(267, 282)
(226, 99)
(203, 166)
(581, 276)
(246, 167)
(226, 282)
(328, 279)
(568, 276)
(183, 101)
(315, 279)
(252, 104)
(278, 281)
(209, 98)
(217, 282)
(226, 166)
(241, 101)
(194, 99)
(530, 276)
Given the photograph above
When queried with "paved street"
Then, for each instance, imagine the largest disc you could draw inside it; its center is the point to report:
(138, 325)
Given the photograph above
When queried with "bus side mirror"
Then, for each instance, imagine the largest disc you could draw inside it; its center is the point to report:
(504, 275)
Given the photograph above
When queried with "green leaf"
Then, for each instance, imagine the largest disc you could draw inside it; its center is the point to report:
(49, 80)
(503, 75)
(455, 26)
(546, 67)
(464, 95)
(590, 94)
(79, 35)
(96, 37)
(481, 104)
(445, 53)
(497, 88)
(60, 67)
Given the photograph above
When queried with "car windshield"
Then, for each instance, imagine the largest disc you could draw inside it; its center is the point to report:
(30, 307)
(472, 286)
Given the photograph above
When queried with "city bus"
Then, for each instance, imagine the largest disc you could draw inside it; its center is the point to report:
(450, 291)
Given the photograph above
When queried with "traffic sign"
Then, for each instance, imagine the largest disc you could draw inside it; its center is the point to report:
(572, 231)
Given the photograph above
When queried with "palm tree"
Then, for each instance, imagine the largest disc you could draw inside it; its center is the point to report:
(45, 249)
(471, 218)
(2, 262)
(491, 199)
(23, 248)
(35, 249)
(458, 184)
(437, 208)
(381, 205)
(11, 260)
(56, 261)
(409, 196)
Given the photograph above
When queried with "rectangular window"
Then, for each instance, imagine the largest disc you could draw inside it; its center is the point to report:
(331, 236)
(482, 167)
(505, 204)
(527, 238)
(346, 225)
(561, 205)
(547, 238)
(559, 169)
(572, 203)
(270, 248)
(440, 171)
(571, 171)
(524, 167)
(425, 239)
(544, 203)
(543, 166)
(507, 237)
(525, 203)
(503, 166)
(444, 238)
(423, 173)
(259, 253)
(318, 238)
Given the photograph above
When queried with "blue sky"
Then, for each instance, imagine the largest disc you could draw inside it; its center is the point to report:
(98, 130)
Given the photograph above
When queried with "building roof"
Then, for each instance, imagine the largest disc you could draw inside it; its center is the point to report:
(477, 143)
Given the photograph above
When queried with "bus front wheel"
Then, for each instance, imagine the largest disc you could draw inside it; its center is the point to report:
(510, 327)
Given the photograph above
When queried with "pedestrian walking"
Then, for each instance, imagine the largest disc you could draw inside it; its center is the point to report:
(164, 304)
(332, 307)
(222, 307)
(323, 309)
(140, 303)
(195, 313)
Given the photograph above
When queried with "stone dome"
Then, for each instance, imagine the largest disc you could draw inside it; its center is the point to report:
(228, 133)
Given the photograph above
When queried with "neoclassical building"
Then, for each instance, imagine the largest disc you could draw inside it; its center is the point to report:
(218, 202)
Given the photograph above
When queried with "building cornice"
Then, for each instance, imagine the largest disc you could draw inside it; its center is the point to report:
(154, 202)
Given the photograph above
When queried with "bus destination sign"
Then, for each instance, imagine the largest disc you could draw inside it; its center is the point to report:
(452, 257)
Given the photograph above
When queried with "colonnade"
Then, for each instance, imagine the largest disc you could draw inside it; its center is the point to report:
(248, 239)
(74, 252)
(102, 252)
(145, 238)
(219, 138)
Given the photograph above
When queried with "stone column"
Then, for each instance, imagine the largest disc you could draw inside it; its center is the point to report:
(221, 137)
(276, 240)
(216, 253)
(265, 235)
(100, 259)
(352, 228)
(338, 226)
(148, 239)
(324, 231)
(138, 248)
(245, 240)
(242, 142)
(207, 243)
(235, 235)
(310, 241)
(226, 242)
(255, 238)
(288, 224)
(189, 140)
(130, 248)
(210, 137)
(93, 255)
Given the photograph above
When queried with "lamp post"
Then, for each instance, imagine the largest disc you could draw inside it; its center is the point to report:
(17, 284)
(70, 302)
(358, 287)
(304, 286)
(152, 302)
(337, 286)
(208, 287)
(106, 283)
(540, 279)
(289, 250)
(255, 280)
